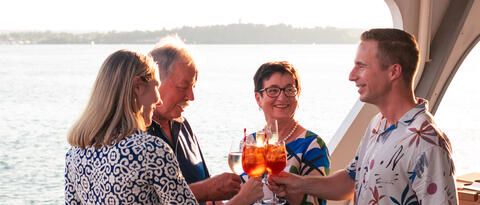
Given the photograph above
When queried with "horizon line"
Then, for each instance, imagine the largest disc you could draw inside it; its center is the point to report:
(163, 29)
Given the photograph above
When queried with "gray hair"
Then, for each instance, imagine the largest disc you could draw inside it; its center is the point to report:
(167, 51)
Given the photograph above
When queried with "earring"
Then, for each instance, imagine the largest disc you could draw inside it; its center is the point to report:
(259, 108)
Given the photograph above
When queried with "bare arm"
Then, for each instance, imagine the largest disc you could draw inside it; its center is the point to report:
(219, 187)
(338, 186)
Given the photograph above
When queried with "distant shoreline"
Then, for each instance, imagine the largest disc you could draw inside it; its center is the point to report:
(218, 34)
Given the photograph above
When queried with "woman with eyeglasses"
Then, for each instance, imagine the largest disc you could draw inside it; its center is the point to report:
(277, 87)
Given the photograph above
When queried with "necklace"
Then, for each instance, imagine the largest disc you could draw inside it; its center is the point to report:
(291, 132)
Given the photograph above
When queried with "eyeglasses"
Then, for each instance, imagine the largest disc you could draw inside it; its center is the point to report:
(274, 92)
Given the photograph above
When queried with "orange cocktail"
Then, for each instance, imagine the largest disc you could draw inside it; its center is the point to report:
(275, 158)
(253, 160)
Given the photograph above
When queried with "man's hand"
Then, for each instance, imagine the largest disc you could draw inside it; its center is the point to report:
(338, 186)
(223, 186)
(285, 183)
(219, 187)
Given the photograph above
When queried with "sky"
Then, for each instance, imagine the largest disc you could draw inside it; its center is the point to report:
(123, 15)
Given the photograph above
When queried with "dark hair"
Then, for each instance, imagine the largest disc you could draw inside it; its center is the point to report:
(395, 47)
(268, 69)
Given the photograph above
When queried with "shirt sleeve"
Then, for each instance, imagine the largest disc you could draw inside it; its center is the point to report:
(434, 182)
(163, 171)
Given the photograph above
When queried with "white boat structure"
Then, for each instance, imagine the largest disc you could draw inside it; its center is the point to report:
(446, 31)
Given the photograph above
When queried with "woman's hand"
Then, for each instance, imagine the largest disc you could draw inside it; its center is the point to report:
(249, 193)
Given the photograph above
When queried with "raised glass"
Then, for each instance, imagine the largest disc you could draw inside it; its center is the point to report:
(275, 157)
(235, 156)
(253, 156)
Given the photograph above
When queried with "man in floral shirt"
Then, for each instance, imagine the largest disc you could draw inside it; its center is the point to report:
(403, 157)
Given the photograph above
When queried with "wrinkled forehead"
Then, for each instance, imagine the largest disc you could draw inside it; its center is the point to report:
(184, 71)
(187, 66)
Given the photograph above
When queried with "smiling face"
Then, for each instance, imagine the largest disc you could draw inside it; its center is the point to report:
(371, 79)
(176, 91)
(280, 107)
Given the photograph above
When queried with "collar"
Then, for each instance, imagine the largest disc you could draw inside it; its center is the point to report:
(384, 130)
(409, 117)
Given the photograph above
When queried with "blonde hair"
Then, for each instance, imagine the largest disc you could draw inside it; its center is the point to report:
(112, 112)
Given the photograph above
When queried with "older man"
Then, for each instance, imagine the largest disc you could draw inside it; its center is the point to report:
(403, 157)
(179, 75)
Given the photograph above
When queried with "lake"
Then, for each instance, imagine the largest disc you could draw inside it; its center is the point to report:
(44, 88)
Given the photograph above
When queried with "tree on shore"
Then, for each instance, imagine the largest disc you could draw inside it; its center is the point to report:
(216, 34)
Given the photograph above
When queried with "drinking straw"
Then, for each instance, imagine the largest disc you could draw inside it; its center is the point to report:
(244, 134)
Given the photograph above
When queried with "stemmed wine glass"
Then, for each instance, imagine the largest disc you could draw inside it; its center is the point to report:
(235, 156)
(275, 157)
(253, 156)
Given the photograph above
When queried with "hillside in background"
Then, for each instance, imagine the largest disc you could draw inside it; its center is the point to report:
(218, 34)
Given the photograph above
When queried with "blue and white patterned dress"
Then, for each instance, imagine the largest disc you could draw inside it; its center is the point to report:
(140, 169)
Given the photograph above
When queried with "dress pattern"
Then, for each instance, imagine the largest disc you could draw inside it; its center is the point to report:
(406, 163)
(140, 169)
(308, 155)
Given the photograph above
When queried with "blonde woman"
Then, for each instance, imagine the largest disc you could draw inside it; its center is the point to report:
(112, 159)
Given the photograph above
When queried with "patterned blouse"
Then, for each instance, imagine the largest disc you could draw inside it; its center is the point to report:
(404, 163)
(140, 169)
(307, 155)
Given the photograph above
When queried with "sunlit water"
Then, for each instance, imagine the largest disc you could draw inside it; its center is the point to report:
(43, 89)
